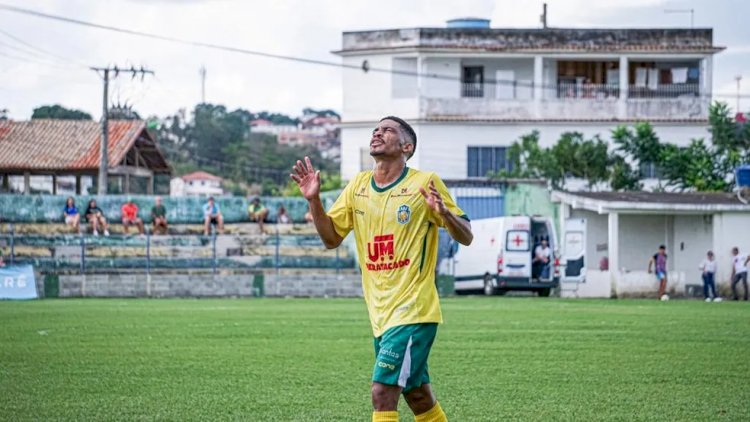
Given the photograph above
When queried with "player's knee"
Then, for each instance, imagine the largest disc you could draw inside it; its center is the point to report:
(384, 397)
(419, 400)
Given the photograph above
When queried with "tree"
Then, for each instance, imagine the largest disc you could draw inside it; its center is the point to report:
(59, 112)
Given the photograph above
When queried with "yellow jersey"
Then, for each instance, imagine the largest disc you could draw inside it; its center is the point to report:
(397, 242)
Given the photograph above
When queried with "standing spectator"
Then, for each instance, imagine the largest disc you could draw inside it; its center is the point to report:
(708, 266)
(130, 217)
(72, 215)
(281, 216)
(159, 217)
(659, 264)
(257, 212)
(541, 259)
(95, 217)
(212, 215)
(739, 271)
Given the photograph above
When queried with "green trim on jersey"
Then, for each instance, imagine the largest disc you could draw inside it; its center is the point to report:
(381, 190)
(424, 246)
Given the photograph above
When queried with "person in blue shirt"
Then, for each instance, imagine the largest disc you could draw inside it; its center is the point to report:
(212, 215)
(72, 215)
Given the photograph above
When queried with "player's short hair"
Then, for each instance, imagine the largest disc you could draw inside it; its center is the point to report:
(662, 247)
(408, 135)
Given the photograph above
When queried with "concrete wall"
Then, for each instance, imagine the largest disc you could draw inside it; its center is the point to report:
(640, 237)
(729, 230)
(449, 70)
(313, 285)
(158, 285)
(531, 199)
(209, 285)
(368, 95)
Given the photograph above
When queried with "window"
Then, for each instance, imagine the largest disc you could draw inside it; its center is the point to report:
(649, 171)
(517, 240)
(482, 160)
(472, 81)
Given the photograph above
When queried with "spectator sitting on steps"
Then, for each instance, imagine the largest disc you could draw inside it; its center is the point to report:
(95, 217)
(257, 212)
(212, 215)
(282, 217)
(72, 215)
(130, 217)
(159, 217)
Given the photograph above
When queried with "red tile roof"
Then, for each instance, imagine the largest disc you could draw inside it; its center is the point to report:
(200, 175)
(67, 145)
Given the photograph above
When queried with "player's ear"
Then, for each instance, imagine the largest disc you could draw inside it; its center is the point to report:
(408, 149)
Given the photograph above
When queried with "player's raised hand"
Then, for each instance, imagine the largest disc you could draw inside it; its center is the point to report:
(307, 178)
(433, 199)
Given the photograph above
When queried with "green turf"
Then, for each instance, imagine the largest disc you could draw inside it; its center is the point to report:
(310, 360)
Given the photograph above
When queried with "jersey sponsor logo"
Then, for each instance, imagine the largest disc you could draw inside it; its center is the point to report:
(403, 214)
(386, 365)
(381, 254)
(389, 353)
(359, 212)
(402, 192)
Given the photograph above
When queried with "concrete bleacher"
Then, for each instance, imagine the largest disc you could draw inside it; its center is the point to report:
(52, 246)
(182, 263)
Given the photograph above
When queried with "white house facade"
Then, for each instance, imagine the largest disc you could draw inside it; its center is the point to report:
(471, 92)
(624, 229)
(198, 183)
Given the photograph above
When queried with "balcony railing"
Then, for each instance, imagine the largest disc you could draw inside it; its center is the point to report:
(498, 90)
(664, 91)
(571, 90)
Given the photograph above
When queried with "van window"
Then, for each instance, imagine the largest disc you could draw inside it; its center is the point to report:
(517, 240)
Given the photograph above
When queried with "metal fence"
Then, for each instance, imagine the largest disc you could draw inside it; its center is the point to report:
(572, 90)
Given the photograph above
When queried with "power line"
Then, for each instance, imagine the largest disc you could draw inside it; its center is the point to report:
(40, 50)
(364, 67)
(32, 60)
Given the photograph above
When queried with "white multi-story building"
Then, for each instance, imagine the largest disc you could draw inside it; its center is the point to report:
(198, 183)
(470, 91)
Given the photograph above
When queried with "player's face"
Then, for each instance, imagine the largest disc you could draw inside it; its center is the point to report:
(386, 140)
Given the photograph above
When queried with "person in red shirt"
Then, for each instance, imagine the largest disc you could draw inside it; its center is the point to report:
(130, 217)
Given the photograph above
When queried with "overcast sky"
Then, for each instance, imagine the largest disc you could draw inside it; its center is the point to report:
(304, 28)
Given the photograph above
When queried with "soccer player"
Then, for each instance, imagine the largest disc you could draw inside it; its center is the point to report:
(395, 213)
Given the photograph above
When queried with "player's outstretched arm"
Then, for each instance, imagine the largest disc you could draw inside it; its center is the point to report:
(308, 180)
(459, 229)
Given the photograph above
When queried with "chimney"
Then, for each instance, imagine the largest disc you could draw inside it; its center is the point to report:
(543, 17)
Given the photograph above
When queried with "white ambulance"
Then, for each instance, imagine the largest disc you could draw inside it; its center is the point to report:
(501, 257)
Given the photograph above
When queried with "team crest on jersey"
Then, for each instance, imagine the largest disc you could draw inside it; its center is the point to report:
(403, 214)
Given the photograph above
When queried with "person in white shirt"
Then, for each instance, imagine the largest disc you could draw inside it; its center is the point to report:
(708, 266)
(541, 258)
(739, 271)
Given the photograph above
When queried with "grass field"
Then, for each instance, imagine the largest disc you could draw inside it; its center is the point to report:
(311, 360)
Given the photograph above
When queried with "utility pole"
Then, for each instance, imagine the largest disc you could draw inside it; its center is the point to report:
(103, 156)
(738, 78)
(203, 84)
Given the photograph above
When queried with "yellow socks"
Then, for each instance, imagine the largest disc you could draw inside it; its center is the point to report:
(433, 415)
(389, 416)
